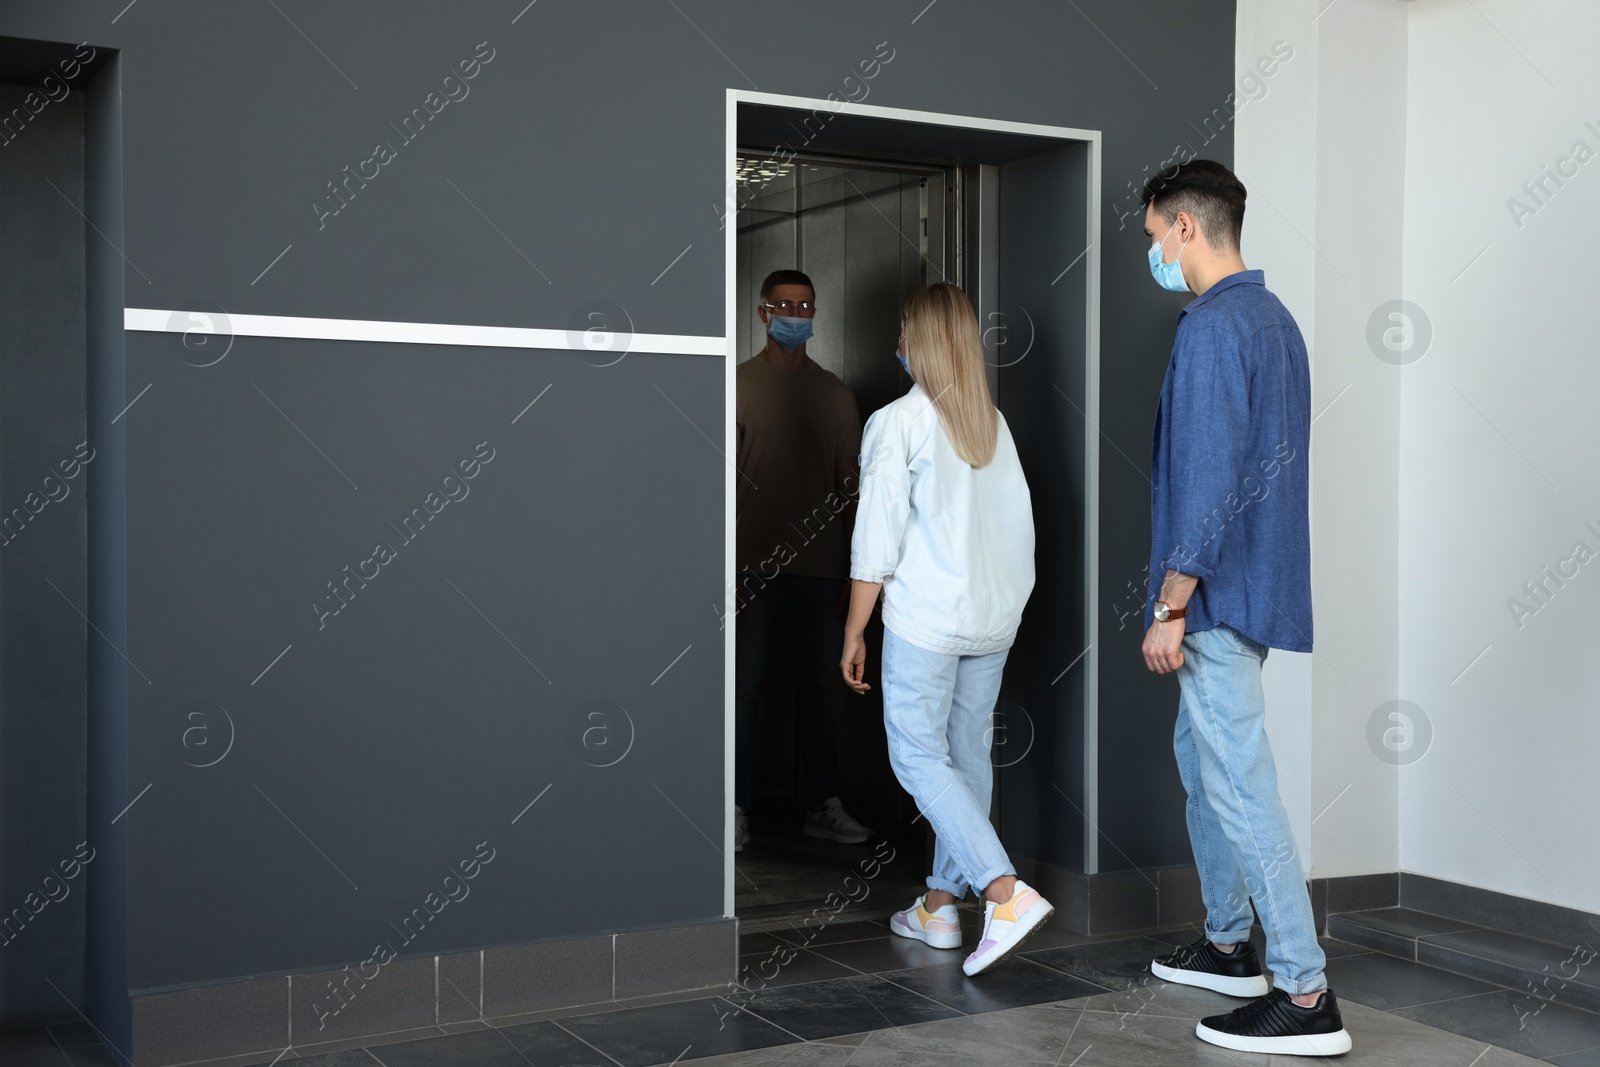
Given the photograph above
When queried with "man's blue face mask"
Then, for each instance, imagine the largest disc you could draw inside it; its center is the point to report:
(1168, 275)
(790, 331)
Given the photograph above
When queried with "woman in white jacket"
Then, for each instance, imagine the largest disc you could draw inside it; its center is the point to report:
(944, 529)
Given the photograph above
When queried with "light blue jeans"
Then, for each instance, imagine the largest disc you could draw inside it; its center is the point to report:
(938, 711)
(1237, 824)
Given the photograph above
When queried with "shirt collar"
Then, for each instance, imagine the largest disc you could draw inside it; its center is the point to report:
(1243, 277)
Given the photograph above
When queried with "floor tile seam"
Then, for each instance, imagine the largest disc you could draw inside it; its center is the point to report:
(579, 1037)
(915, 992)
(1503, 963)
(1057, 970)
(1080, 978)
(1413, 1007)
(899, 1027)
(763, 1018)
(1534, 938)
(811, 945)
(1498, 987)
(1430, 1003)
(1070, 1035)
(1151, 1014)
(858, 972)
(789, 933)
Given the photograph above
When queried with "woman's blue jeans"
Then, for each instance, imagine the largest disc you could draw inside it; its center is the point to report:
(1237, 824)
(938, 711)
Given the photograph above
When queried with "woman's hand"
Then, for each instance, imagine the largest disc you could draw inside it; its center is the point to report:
(853, 661)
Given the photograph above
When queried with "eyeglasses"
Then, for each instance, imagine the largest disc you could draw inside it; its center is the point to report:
(789, 307)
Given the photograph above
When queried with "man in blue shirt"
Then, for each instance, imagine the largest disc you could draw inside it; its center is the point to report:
(1230, 577)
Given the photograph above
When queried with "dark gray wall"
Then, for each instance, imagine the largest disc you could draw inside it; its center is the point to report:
(388, 745)
(396, 735)
(107, 795)
(1043, 396)
(43, 564)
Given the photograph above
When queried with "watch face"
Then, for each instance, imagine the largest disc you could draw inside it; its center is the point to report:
(1161, 611)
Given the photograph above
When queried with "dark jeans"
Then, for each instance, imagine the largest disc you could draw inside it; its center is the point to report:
(810, 606)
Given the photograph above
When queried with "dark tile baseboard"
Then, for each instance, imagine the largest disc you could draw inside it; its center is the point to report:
(266, 1015)
(1499, 911)
(1117, 902)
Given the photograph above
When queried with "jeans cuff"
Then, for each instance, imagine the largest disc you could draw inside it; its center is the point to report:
(1235, 937)
(955, 889)
(1309, 985)
(990, 875)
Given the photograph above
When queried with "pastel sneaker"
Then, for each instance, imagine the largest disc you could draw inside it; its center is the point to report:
(1006, 925)
(940, 928)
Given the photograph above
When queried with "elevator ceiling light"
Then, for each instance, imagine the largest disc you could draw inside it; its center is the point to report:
(760, 171)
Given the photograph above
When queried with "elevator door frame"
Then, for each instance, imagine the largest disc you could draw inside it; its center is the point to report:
(1090, 533)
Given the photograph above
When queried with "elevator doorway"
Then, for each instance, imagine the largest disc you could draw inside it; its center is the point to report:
(872, 203)
(868, 233)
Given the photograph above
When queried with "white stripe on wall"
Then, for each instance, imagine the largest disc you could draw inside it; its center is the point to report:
(418, 333)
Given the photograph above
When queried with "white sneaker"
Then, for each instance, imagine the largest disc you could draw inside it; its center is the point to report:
(834, 823)
(741, 829)
(1005, 925)
(940, 928)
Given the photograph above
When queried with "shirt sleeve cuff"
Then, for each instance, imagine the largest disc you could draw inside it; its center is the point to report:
(869, 574)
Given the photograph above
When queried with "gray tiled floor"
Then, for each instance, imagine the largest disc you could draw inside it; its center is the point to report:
(854, 995)
(1102, 1032)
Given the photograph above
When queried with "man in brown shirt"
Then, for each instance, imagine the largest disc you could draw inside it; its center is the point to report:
(799, 438)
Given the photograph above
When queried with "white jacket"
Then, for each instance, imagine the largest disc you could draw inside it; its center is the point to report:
(953, 546)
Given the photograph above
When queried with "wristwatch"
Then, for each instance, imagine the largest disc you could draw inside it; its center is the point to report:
(1165, 613)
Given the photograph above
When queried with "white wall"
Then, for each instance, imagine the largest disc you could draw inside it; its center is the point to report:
(1322, 154)
(1496, 461)
(1274, 149)
(1388, 161)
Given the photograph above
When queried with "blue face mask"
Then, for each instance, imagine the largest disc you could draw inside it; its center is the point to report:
(790, 331)
(1168, 275)
(903, 364)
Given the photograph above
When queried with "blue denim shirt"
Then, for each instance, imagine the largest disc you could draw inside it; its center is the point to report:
(1230, 467)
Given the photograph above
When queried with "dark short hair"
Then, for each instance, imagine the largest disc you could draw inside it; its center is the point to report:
(1206, 190)
(785, 277)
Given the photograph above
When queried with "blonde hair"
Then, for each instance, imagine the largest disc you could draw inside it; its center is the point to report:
(945, 353)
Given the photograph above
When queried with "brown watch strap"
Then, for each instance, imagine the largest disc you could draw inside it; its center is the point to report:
(1175, 613)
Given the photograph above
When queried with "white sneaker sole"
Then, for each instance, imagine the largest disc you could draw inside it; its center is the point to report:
(1254, 986)
(1335, 1044)
(932, 940)
(1036, 917)
(834, 835)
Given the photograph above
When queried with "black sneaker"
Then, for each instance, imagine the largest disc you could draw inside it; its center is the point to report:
(1278, 1025)
(1237, 973)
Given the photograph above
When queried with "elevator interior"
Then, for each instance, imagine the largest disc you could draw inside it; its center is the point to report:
(873, 207)
(869, 234)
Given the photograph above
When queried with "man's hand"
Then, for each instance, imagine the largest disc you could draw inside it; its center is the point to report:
(853, 661)
(1163, 642)
(1163, 646)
